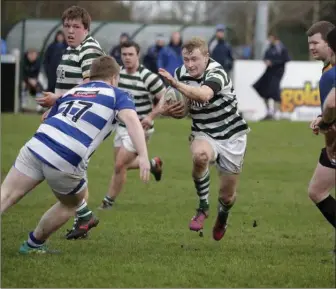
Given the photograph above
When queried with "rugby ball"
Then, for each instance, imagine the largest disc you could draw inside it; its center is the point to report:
(172, 95)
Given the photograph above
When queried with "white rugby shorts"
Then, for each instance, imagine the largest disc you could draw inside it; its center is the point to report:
(228, 154)
(60, 182)
(122, 138)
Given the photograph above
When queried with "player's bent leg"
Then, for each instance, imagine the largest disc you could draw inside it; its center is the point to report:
(156, 162)
(202, 154)
(71, 189)
(229, 163)
(322, 182)
(226, 200)
(22, 178)
(48, 224)
(64, 209)
(86, 220)
(15, 186)
(123, 158)
(69, 232)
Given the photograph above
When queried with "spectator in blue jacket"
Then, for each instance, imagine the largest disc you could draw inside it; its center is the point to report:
(52, 58)
(115, 52)
(170, 56)
(222, 53)
(3, 47)
(150, 59)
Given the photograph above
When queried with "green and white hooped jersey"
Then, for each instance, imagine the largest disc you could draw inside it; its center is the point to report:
(76, 63)
(219, 117)
(143, 85)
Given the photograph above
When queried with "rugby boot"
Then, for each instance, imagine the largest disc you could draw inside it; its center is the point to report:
(219, 229)
(196, 223)
(105, 205)
(156, 168)
(82, 228)
(26, 249)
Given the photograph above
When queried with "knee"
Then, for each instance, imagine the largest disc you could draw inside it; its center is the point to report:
(120, 167)
(4, 193)
(226, 196)
(200, 159)
(315, 194)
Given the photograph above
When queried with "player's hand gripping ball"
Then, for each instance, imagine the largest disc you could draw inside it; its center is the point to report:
(176, 104)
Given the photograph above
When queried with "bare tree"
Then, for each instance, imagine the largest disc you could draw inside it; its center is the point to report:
(303, 13)
(189, 11)
(239, 15)
(168, 11)
(290, 13)
(14, 11)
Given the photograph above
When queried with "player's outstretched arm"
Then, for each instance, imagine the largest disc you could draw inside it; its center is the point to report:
(130, 118)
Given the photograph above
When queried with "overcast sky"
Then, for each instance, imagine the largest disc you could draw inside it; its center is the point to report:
(153, 8)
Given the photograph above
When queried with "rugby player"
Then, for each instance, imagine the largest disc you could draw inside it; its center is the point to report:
(147, 88)
(318, 47)
(323, 179)
(74, 67)
(60, 150)
(219, 133)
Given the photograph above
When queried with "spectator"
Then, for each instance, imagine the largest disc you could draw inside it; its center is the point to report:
(53, 57)
(115, 52)
(247, 51)
(31, 70)
(150, 59)
(268, 86)
(170, 56)
(3, 47)
(222, 52)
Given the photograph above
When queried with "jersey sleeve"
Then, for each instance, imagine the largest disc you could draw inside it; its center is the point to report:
(154, 83)
(327, 83)
(124, 100)
(217, 80)
(87, 54)
(177, 73)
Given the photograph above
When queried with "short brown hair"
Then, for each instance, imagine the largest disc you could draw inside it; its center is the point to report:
(323, 27)
(131, 43)
(103, 68)
(331, 40)
(196, 43)
(76, 12)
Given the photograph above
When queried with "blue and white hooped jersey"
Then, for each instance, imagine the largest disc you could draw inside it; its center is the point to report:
(77, 124)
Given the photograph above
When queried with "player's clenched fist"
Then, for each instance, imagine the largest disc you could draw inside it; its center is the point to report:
(314, 125)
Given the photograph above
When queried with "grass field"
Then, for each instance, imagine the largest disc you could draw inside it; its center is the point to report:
(144, 241)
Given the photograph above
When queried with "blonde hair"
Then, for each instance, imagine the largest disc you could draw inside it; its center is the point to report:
(103, 68)
(196, 43)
